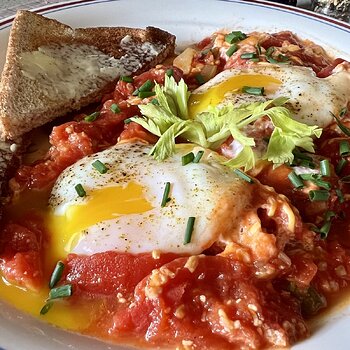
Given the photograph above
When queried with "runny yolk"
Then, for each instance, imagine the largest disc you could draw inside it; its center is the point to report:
(214, 95)
(99, 205)
(103, 204)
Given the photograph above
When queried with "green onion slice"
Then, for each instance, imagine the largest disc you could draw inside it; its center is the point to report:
(99, 166)
(269, 51)
(127, 79)
(295, 180)
(200, 79)
(145, 94)
(92, 117)
(61, 292)
(56, 274)
(340, 166)
(341, 126)
(146, 86)
(343, 112)
(198, 157)
(115, 108)
(323, 184)
(80, 190)
(187, 158)
(344, 148)
(318, 195)
(329, 214)
(155, 102)
(234, 37)
(249, 55)
(127, 121)
(251, 90)
(169, 72)
(325, 167)
(340, 195)
(232, 49)
(166, 192)
(324, 230)
(45, 309)
(189, 230)
(243, 176)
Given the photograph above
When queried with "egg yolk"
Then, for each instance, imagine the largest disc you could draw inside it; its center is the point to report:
(99, 205)
(214, 95)
(65, 231)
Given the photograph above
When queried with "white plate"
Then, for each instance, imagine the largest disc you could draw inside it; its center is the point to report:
(190, 21)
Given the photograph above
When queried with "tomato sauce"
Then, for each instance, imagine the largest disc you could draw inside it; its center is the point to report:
(214, 300)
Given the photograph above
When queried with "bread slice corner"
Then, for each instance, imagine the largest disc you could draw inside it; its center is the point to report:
(52, 69)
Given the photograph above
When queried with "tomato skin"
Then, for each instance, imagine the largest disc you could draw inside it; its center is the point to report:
(21, 253)
(110, 272)
(327, 71)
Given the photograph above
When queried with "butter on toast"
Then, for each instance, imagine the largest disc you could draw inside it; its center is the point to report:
(52, 69)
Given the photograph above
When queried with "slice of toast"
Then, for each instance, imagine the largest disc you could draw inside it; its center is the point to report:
(52, 69)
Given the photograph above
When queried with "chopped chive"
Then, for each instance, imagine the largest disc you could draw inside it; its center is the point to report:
(341, 126)
(345, 179)
(127, 121)
(323, 184)
(318, 195)
(187, 158)
(243, 176)
(146, 86)
(99, 166)
(324, 230)
(269, 51)
(200, 79)
(127, 79)
(344, 148)
(255, 59)
(145, 94)
(80, 190)
(295, 180)
(60, 292)
(307, 177)
(45, 309)
(329, 214)
(232, 49)
(251, 90)
(235, 36)
(198, 157)
(301, 155)
(115, 108)
(155, 102)
(342, 112)
(136, 92)
(272, 60)
(189, 230)
(205, 52)
(340, 166)
(56, 274)
(283, 58)
(92, 117)
(166, 192)
(169, 72)
(249, 55)
(325, 168)
(340, 195)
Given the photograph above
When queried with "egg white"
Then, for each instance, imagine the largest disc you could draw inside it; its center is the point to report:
(208, 191)
(312, 99)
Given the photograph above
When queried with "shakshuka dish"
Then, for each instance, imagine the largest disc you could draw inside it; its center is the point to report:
(204, 204)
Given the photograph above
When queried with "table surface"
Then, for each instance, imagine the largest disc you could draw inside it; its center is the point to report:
(9, 7)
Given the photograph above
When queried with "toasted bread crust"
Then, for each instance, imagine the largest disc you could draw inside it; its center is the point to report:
(22, 105)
